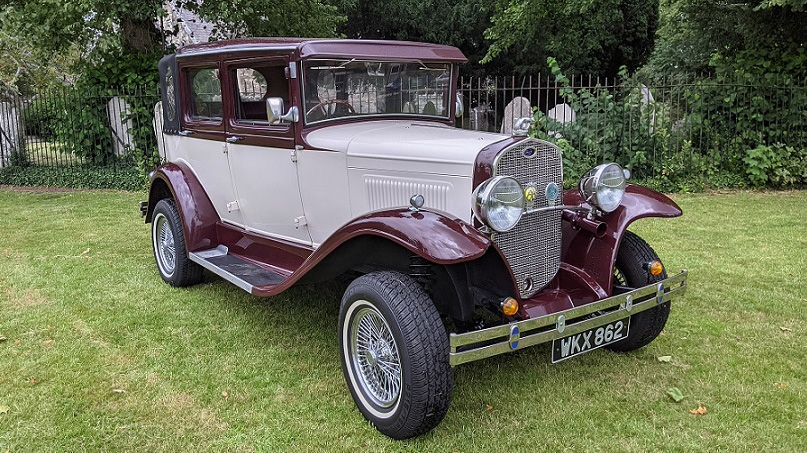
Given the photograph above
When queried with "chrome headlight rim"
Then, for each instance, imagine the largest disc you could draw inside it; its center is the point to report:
(592, 186)
(482, 197)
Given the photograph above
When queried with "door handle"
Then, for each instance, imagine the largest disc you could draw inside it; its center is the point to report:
(234, 139)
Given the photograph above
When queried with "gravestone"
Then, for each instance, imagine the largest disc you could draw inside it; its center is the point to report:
(479, 117)
(517, 108)
(647, 96)
(649, 100)
(562, 113)
(11, 132)
(118, 109)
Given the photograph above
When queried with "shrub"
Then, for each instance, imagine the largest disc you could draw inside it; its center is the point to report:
(84, 129)
(777, 166)
(41, 117)
(78, 177)
(702, 133)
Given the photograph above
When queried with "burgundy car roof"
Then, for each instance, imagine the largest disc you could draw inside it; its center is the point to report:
(331, 48)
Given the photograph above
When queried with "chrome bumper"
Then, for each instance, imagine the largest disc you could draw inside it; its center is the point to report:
(479, 344)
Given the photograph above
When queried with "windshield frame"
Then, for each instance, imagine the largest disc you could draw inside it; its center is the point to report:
(372, 116)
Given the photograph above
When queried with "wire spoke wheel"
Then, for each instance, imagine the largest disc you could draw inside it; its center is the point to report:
(394, 353)
(164, 244)
(375, 357)
(168, 241)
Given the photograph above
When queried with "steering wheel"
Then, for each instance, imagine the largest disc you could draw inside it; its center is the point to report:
(329, 102)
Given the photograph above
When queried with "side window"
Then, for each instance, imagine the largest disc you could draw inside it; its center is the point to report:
(253, 86)
(205, 93)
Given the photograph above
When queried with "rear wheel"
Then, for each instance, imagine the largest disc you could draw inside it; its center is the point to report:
(632, 270)
(394, 352)
(168, 241)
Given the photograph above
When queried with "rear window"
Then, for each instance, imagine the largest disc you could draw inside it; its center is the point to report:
(205, 93)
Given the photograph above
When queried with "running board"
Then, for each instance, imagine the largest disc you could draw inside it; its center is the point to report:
(235, 270)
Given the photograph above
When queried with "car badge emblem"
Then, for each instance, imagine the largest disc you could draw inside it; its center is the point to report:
(552, 191)
(531, 193)
(529, 152)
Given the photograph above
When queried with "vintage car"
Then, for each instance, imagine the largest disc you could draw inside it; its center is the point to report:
(296, 161)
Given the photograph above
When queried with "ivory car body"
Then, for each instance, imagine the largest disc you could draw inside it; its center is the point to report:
(295, 161)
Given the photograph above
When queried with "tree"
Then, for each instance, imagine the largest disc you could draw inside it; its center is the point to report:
(752, 36)
(461, 23)
(104, 30)
(589, 36)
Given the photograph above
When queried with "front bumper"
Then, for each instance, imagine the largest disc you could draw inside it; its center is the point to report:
(479, 344)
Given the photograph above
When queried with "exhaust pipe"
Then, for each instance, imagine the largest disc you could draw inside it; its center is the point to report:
(595, 227)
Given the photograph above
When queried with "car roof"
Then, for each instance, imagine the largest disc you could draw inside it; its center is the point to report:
(307, 48)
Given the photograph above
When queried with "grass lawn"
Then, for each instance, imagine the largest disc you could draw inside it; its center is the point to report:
(97, 353)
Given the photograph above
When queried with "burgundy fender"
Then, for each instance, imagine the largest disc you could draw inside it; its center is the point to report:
(434, 236)
(198, 215)
(597, 256)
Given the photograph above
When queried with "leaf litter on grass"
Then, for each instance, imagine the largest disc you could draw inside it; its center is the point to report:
(675, 393)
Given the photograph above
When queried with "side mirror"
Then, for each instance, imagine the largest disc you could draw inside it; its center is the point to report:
(460, 109)
(275, 115)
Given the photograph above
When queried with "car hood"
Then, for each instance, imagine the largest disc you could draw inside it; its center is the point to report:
(398, 145)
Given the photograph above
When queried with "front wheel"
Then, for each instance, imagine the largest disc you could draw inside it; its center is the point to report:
(394, 351)
(632, 270)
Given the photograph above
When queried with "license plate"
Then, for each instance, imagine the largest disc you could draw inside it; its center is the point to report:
(596, 337)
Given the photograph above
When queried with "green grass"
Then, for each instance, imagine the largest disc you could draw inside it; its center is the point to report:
(50, 153)
(101, 355)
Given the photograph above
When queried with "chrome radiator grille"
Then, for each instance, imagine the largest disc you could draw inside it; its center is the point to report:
(533, 247)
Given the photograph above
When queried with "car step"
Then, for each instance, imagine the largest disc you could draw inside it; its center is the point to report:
(235, 270)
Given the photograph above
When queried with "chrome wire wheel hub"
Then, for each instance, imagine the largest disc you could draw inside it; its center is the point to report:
(375, 357)
(164, 245)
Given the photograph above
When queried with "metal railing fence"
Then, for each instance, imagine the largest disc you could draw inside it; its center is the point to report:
(667, 129)
(72, 129)
(671, 128)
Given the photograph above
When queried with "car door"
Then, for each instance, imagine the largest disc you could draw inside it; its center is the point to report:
(261, 154)
(202, 143)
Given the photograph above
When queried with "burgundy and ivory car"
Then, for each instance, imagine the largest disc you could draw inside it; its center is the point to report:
(297, 161)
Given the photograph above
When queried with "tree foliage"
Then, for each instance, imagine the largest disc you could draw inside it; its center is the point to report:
(756, 38)
(461, 23)
(588, 36)
(108, 29)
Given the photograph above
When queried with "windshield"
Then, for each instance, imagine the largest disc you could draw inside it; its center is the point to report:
(350, 88)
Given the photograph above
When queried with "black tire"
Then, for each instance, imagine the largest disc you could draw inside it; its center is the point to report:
(631, 270)
(425, 378)
(168, 243)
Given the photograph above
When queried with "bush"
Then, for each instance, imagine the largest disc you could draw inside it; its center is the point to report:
(702, 133)
(78, 177)
(777, 166)
(84, 129)
(41, 117)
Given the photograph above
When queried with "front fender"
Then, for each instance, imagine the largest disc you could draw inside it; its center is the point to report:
(434, 236)
(198, 215)
(597, 256)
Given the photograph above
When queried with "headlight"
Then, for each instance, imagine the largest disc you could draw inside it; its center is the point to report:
(603, 186)
(499, 203)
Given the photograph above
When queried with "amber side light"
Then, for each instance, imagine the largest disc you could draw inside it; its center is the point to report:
(509, 306)
(656, 268)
